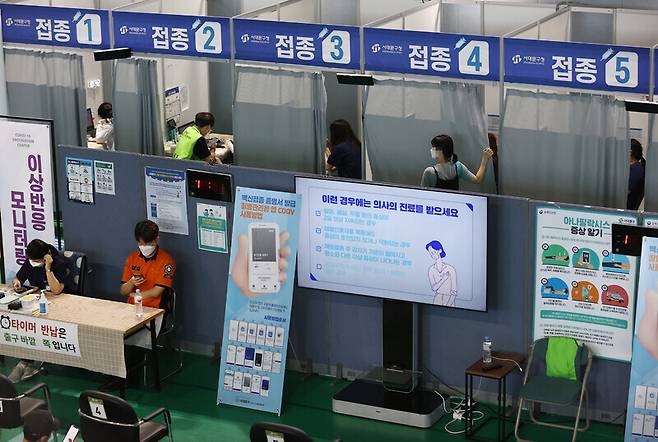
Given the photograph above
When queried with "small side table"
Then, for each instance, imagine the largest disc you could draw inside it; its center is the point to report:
(499, 374)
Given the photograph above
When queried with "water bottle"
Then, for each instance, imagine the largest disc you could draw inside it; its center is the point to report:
(139, 308)
(43, 304)
(486, 350)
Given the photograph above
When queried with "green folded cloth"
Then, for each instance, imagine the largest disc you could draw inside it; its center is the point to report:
(561, 358)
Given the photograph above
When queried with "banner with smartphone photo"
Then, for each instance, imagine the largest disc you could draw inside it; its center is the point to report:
(259, 299)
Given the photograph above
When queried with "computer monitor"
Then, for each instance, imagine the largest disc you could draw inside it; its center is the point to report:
(90, 121)
(182, 128)
(391, 242)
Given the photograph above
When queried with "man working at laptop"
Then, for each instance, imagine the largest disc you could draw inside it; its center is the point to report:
(192, 144)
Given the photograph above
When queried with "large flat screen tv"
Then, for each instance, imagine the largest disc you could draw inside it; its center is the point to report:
(392, 242)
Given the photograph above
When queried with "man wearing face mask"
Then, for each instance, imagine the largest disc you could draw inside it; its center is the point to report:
(149, 269)
(44, 269)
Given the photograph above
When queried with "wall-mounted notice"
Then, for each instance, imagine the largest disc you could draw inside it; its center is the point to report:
(577, 65)
(26, 188)
(46, 25)
(259, 299)
(173, 104)
(80, 180)
(166, 199)
(582, 289)
(475, 57)
(297, 43)
(643, 390)
(211, 227)
(187, 35)
(104, 174)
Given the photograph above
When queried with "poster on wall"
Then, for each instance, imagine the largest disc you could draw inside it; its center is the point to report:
(643, 390)
(166, 199)
(104, 177)
(211, 228)
(80, 180)
(582, 289)
(26, 188)
(259, 299)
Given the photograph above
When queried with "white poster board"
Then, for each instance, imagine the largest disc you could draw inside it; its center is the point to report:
(166, 199)
(26, 188)
(582, 289)
(39, 334)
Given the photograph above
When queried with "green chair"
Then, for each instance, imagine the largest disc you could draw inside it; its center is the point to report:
(557, 373)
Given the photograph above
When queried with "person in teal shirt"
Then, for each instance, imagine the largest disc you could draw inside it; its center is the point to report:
(192, 144)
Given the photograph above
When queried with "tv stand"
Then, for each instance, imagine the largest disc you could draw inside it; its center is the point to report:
(394, 396)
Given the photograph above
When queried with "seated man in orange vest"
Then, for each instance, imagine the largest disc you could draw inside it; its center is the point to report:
(149, 269)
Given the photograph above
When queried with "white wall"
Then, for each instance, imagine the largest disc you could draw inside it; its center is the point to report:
(371, 10)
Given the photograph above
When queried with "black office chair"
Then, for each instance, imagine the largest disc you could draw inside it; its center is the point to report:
(16, 406)
(168, 338)
(260, 431)
(113, 419)
(76, 272)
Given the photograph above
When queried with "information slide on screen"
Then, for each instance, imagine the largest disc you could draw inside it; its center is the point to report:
(582, 289)
(389, 242)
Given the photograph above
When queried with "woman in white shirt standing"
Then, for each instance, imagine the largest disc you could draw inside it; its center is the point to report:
(105, 129)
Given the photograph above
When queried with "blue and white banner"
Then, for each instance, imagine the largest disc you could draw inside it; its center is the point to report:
(192, 36)
(44, 25)
(297, 43)
(259, 299)
(642, 409)
(431, 53)
(577, 65)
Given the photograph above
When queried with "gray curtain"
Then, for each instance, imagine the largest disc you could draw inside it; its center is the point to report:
(651, 172)
(48, 85)
(279, 119)
(136, 107)
(401, 118)
(570, 148)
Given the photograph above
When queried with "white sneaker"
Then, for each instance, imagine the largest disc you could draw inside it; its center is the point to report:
(30, 372)
(17, 373)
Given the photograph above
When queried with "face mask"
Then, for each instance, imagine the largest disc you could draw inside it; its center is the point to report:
(433, 153)
(36, 263)
(147, 250)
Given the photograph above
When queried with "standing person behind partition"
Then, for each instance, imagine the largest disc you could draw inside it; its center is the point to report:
(447, 171)
(105, 129)
(636, 176)
(345, 150)
(493, 145)
(192, 144)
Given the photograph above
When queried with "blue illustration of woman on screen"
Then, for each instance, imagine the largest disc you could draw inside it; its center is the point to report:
(442, 276)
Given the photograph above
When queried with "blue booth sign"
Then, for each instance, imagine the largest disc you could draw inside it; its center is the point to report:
(577, 65)
(185, 35)
(43, 25)
(431, 53)
(297, 43)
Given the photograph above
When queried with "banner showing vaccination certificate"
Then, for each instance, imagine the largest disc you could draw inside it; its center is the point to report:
(641, 416)
(432, 53)
(390, 242)
(26, 188)
(166, 199)
(259, 299)
(192, 36)
(582, 289)
(297, 43)
(46, 25)
(577, 65)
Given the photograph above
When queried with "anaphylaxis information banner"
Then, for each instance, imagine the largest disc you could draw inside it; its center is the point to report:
(259, 299)
(643, 390)
(582, 289)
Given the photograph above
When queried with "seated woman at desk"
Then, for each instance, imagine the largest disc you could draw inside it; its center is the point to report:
(45, 269)
(105, 129)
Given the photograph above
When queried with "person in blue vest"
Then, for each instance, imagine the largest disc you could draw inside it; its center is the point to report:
(192, 144)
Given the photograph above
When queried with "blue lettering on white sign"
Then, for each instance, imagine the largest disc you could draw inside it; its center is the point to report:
(41, 25)
(185, 35)
(431, 53)
(297, 43)
(577, 65)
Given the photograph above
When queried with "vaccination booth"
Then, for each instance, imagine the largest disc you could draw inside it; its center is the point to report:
(529, 256)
